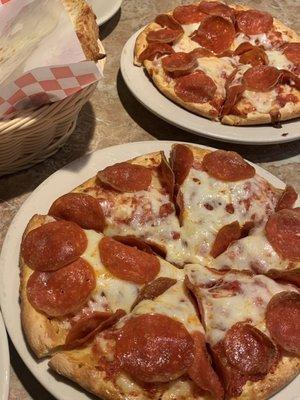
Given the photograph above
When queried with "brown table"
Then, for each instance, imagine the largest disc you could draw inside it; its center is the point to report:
(114, 116)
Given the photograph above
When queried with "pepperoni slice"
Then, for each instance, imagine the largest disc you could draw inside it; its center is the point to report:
(216, 8)
(154, 289)
(179, 63)
(287, 199)
(53, 245)
(283, 321)
(181, 161)
(290, 78)
(283, 232)
(255, 57)
(80, 208)
(195, 88)
(126, 177)
(201, 371)
(225, 236)
(233, 93)
(249, 350)
(290, 275)
(144, 245)
(243, 48)
(155, 49)
(262, 78)
(215, 33)
(227, 166)
(201, 52)
(61, 292)
(89, 326)
(166, 21)
(128, 263)
(166, 175)
(165, 35)
(292, 52)
(155, 348)
(253, 22)
(188, 14)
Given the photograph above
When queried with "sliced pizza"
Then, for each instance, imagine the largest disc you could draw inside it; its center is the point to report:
(252, 325)
(136, 200)
(72, 278)
(224, 62)
(157, 351)
(273, 250)
(220, 197)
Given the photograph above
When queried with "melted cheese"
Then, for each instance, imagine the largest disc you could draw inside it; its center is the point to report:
(190, 28)
(205, 199)
(223, 307)
(255, 40)
(218, 69)
(253, 253)
(185, 44)
(278, 60)
(262, 101)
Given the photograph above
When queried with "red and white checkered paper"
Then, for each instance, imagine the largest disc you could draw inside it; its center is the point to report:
(46, 84)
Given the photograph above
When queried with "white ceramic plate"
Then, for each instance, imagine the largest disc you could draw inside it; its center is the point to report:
(145, 92)
(4, 362)
(105, 9)
(40, 200)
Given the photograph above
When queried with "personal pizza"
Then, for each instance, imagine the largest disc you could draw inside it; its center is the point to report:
(225, 62)
(167, 279)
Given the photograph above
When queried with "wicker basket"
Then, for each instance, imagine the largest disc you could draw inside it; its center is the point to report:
(34, 135)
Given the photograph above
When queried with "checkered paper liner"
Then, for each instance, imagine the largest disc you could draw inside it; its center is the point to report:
(46, 84)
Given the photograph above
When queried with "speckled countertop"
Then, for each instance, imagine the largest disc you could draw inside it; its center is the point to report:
(112, 117)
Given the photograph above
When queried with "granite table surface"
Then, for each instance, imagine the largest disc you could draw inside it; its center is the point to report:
(113, 116)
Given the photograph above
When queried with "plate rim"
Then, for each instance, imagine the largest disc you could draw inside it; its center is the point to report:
(125, 65)
(101, 20)
(4, 351)
(85, 163)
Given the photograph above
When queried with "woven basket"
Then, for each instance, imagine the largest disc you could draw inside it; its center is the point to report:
(34, 135)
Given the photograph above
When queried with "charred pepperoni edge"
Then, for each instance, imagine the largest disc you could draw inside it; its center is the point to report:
(107, 323)
(154, 289)
(166, 175)
(181, 161)
(155, 49)
(141, 244)
(289, 276)
(226, 235)
(233, 94)
(287, 198)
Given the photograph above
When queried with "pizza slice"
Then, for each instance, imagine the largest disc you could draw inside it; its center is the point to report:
(75, 280)
(136, 200)
(157, 351)
(220, 197)
(273, 250)
(252, 326)
(224, 62)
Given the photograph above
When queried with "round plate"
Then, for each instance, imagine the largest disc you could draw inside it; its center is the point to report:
(145, 92)
(40, 200)
(105, 9)
(4, 362)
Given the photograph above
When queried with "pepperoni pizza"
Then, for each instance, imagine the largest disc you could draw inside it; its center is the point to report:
(228, 63)
(124, 288)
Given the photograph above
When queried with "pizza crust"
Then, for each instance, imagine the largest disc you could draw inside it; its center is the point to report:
(205, 109)
(84, 22)
(44, 335)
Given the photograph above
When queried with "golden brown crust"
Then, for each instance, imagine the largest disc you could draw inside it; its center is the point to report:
(84, 21)
(43, 334)
(166, 87)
